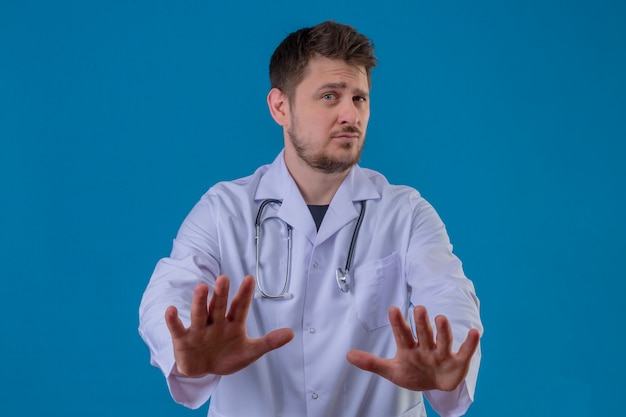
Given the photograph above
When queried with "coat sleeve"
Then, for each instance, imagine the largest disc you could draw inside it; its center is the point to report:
(437, 281)
(194, 259)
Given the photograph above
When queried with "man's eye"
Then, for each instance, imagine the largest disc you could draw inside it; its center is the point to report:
(329, 96)
(359, 98)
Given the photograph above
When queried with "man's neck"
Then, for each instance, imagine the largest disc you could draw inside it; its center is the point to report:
(316, 187)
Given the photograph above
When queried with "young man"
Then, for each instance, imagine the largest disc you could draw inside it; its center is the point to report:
(339, 258)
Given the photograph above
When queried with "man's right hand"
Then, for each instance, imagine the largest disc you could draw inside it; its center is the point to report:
(216, 342)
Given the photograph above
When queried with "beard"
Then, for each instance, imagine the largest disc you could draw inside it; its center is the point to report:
(324, 162)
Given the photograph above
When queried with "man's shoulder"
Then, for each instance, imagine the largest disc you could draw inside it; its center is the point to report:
(236, 189)
(240, 183)
(388, 189)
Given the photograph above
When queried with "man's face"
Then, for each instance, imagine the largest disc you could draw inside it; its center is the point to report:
(328, 115)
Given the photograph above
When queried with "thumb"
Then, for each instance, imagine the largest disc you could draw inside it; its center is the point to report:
(274, 340)
(368, 362)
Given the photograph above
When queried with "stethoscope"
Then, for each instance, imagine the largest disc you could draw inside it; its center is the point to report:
(342, 275)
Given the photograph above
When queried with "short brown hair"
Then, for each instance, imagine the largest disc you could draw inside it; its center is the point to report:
(328, 39)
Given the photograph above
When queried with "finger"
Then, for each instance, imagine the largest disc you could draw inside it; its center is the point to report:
(444, 335)
(401, 330)
(198, 306)
(240, 304)
(467, 349)
(423, 329)
(262, 345)
(273, 340)
(371, 363)
(219, 300)
(174, 325)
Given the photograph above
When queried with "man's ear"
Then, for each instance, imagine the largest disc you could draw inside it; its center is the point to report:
(278, 104)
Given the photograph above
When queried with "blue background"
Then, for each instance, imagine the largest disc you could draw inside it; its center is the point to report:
(508, 116)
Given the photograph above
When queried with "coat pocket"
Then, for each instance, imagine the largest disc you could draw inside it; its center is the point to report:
(378, 285)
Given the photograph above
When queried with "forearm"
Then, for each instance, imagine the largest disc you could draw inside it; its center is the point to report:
(190, 392)
(172, 283)
(438, 282)
(192, 261)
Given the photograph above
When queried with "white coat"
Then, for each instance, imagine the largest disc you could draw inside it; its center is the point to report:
(402, 258)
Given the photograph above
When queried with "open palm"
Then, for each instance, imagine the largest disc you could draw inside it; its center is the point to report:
(424, 363)
(216, 342)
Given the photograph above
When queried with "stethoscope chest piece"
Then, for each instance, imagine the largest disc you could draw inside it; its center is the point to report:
(343, 279)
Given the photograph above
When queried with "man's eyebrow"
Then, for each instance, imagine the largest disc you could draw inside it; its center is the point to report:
(343, 86)
(337, 86)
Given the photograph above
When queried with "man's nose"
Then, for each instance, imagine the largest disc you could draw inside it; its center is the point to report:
(349, 114)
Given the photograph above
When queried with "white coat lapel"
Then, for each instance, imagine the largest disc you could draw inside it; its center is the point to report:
(345, 206)
(277, 183)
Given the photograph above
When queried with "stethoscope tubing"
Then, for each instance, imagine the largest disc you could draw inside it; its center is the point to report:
(283, 293)
(342, 276)
(355, 234)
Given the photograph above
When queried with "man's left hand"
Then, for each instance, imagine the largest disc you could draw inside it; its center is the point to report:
(424, 363)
